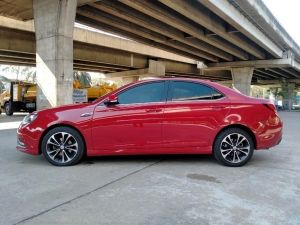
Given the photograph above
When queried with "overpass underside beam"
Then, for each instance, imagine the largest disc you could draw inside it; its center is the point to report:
(54, 25)
(285, 68)
(278, 81)
(228, 12)
(189, 30)
(271, 63)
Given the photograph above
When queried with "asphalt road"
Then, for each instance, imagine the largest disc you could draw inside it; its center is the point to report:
(152, 190)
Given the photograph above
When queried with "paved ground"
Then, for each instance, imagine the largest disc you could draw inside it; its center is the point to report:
(153, 190)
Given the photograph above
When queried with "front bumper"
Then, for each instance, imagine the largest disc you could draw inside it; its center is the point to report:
(27, 143)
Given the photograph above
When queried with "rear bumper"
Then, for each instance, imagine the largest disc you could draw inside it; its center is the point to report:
(271, 137)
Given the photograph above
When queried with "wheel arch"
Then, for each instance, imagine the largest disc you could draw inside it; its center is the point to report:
(243, 127)
(60, 125)
(4, 103)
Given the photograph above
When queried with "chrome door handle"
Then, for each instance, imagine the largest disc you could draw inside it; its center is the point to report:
(86, 114)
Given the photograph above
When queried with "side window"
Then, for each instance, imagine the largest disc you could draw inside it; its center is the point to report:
(187, 91)
(150, 92)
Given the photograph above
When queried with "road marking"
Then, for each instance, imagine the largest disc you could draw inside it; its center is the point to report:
(9, 125)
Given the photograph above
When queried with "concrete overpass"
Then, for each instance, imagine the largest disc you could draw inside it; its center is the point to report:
(93, 51)
(241, 37)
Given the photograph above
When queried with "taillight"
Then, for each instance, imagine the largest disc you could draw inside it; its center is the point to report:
(270, 106)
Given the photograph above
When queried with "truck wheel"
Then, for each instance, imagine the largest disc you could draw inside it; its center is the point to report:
(8, 109)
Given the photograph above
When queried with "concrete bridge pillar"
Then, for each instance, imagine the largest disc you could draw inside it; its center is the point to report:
(155, 68)
(288, 95)
(54, 24)
(127, 80)
(241, 78)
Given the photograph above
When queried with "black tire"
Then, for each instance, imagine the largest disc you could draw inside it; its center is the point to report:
(8, 109)
(57, 136)
(237, 156)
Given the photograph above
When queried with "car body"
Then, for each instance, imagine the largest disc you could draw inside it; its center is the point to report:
(158, 116)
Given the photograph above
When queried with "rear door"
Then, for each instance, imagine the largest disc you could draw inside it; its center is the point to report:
(192, 114)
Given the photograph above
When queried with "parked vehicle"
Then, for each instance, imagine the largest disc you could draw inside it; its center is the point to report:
(18, 96)
(96, 91)
(159, 116)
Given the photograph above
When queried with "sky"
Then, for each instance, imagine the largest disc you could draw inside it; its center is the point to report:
(287, 12)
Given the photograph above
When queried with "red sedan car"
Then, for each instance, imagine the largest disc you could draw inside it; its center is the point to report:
(160, 116)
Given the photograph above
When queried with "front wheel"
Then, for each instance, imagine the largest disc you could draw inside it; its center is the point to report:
(233, 147)
(8, 109)
(63, 146)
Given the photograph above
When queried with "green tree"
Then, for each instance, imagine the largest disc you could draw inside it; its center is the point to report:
(29, 73)
(83, 77)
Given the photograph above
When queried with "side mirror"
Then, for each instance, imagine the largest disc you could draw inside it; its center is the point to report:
(112, 100)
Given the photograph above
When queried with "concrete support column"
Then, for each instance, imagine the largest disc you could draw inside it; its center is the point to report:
(288, 95)
(127, 80)
(241, 78)
(157, 68)
(54, 25)
(154, 69)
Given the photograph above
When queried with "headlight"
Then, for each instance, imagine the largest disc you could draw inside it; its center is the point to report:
(29, 118)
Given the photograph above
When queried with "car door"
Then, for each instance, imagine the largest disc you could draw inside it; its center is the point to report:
(134, 123)
(192, 114)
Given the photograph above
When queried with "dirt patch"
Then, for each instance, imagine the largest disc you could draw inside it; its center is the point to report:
(196, 176)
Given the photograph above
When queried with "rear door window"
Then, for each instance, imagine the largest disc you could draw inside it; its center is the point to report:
(190, 91)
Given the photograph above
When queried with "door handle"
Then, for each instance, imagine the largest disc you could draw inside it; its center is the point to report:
(86, 114)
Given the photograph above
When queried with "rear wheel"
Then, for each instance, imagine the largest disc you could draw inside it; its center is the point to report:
(63, 146)
(8, 109)
(233, 147)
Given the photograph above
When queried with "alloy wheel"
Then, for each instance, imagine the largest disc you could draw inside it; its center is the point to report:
(235, 148)
(62, 147)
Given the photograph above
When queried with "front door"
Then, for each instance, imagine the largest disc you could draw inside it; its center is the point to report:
(134, 125)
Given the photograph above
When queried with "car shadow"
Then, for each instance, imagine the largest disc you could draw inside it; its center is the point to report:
(258, 159)
(148, 158)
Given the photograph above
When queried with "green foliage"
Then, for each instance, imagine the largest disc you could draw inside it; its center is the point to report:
(2, 88)
(83, 77)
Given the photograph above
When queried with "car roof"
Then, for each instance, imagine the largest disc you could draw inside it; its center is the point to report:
(175, 79)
